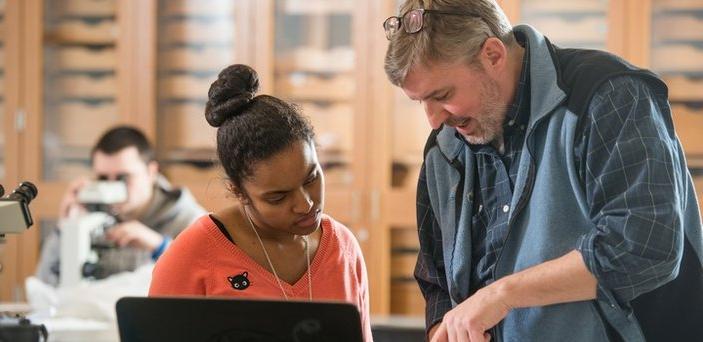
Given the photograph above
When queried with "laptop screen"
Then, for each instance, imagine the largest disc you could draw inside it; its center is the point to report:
(218, 319)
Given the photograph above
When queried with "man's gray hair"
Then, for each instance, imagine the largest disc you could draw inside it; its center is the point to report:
(445, 37)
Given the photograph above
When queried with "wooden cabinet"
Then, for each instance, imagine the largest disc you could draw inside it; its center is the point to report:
(10, 250)
(677, 53)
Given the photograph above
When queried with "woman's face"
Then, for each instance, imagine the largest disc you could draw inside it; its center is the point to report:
(286, 191)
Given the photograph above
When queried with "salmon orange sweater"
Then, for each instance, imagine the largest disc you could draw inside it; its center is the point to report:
(201, 261)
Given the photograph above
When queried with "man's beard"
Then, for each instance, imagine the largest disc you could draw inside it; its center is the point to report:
(490, 119)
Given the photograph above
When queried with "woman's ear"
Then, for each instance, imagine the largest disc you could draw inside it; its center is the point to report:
(240, 195)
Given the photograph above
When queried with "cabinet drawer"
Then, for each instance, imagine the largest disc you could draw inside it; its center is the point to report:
(89, 8)
(82, 86)
(185, 127)
(188, 174)
(406, 298)
(81, 32)
(561, 6)
(678, 27)
(195, 59)
(81, 124)
(333, 125)
(403, 265)
(573, 31)
(689, 125)
(198, 7)
(405, 238)
(191, 31)
(413, 129)
(684, 89)
(339, 59)
(661, 5)
(698, 183)
(184, 87)
(83, 59)
(68, 170)
(677, 58)
(298, 86)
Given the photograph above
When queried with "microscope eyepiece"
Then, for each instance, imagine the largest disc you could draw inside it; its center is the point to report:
(25, 192)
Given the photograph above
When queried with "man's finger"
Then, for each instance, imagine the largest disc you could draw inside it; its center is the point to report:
(441, 334)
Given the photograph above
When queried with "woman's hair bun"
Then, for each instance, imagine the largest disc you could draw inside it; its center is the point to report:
(231, 93)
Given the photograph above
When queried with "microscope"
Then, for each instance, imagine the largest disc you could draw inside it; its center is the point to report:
(83, 236)
(14, 209)
(14, 219)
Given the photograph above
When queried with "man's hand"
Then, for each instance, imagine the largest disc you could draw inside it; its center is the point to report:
(470, 320)
(135, 234)
(69, 203)
(561, 280)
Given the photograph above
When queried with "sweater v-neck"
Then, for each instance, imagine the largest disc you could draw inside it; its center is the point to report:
(225, 242)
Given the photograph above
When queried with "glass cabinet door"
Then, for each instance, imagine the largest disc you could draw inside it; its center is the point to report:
(315, 65)
(80, 83)
(573, 23)
(196, 39)
(408, 132)
(677, 55)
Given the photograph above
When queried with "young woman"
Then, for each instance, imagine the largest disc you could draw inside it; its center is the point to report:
(274, 242)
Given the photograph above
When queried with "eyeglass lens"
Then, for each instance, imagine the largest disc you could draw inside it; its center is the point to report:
(391, 26)
(412, 21)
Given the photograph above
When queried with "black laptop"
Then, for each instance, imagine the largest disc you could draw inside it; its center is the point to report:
(220, 320)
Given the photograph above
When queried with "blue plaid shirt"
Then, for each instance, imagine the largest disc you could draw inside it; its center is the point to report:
(495, 181)
(619, 115)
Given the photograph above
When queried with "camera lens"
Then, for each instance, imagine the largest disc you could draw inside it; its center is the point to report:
(24, 192)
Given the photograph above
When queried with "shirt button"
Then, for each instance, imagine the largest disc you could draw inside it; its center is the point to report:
(506, 208)
(511, 122)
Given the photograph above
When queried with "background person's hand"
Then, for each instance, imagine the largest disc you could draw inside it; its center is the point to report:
(134, 234)
(69, 203)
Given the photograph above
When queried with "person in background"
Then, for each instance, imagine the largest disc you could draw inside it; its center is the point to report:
(152, 216)
(274, 241)
(554, 202)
